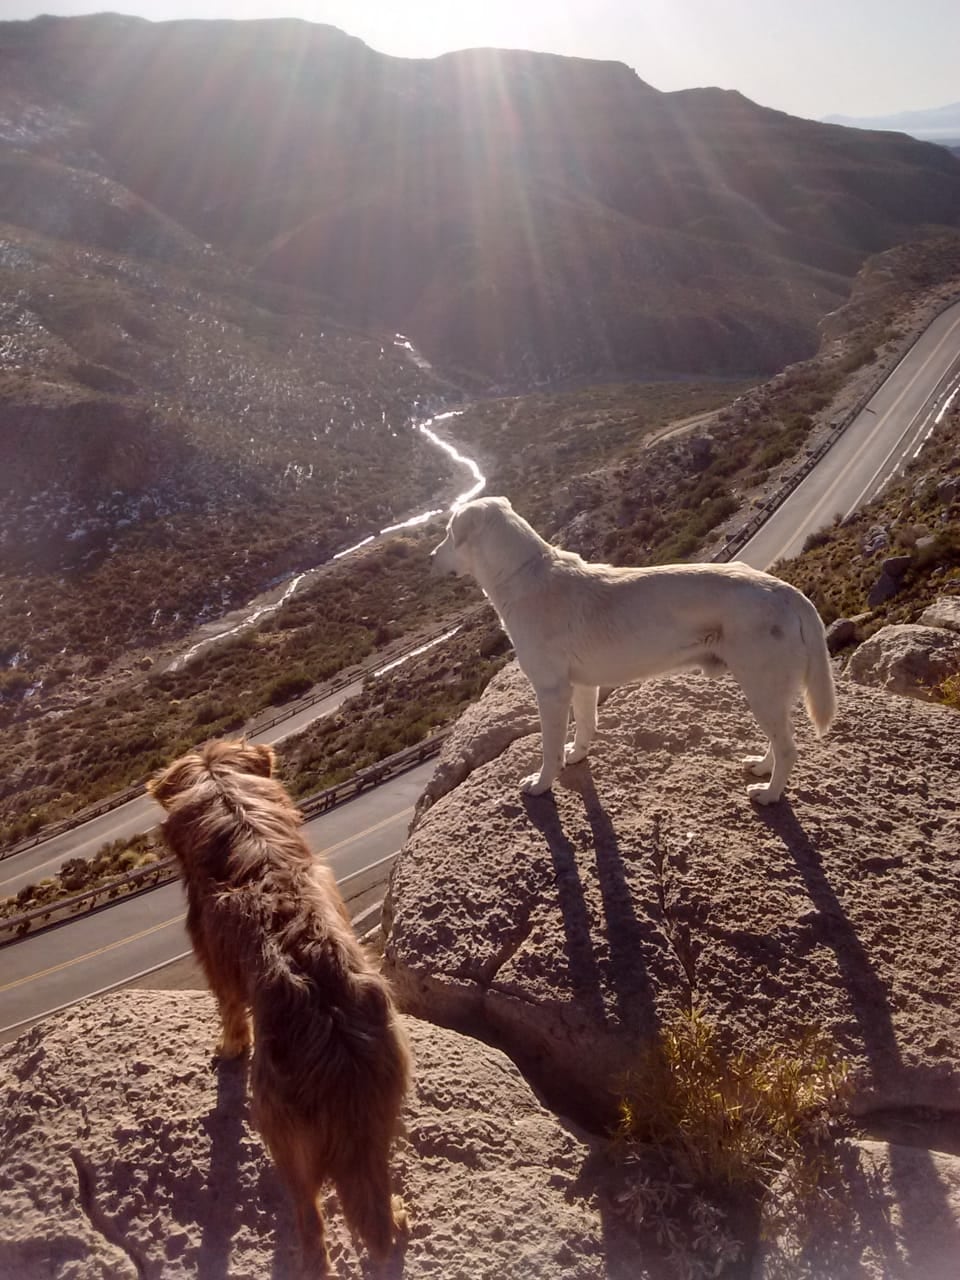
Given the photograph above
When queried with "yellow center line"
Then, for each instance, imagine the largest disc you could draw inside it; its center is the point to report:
(359, 835)
(90, 955)
(122, 942)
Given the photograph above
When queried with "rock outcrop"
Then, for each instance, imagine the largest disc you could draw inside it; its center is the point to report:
(907, 659)
(127, 1154)
(944, 612)
(567, 928)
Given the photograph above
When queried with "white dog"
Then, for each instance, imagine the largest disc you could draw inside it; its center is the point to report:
(577, 626)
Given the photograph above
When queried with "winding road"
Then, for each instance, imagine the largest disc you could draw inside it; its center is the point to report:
(112, 945)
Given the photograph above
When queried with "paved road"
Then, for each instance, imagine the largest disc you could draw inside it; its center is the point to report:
(133, 817)
(885, 435)
(81, 957)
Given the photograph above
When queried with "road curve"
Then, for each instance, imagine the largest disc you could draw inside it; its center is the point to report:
(883, 436)
(75, 959)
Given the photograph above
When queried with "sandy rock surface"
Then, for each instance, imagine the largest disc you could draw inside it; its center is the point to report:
(566, 927)
(126, 1154)
(906, 658)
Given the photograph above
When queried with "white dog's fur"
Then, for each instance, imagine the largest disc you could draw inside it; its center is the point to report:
(577, 626)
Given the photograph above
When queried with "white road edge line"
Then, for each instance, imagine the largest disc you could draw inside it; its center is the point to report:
(121, 982)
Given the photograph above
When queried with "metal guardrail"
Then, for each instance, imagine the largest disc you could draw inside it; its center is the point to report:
(290, 710)
(164, 870)
(777, 499)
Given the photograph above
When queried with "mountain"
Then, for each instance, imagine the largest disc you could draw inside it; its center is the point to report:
(524, 217)
(934, 124)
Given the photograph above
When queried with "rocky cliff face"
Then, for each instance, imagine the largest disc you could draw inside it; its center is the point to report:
(568, 929)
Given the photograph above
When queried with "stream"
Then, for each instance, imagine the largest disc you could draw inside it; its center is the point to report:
(268, 602)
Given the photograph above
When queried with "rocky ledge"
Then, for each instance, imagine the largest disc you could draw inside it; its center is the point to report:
(128, 1154)
(567, 928)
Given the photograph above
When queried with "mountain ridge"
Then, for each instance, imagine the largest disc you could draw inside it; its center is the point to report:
(528, 217)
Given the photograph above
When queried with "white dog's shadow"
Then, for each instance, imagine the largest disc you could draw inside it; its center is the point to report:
(609, 967)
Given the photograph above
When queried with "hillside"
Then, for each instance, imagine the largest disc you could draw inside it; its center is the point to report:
(524, 216)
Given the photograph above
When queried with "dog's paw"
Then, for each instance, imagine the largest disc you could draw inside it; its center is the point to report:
(401, 1219)
(763, 793)
(533, 786)
(574, 754)
(759, 766)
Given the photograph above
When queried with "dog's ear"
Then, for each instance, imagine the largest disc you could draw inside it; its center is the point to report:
(170, 782)
(466, 522)
(262, 758)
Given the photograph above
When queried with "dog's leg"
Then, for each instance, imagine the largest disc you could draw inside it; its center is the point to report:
(585, 715)
(554, 704)
(760, 766)
(374, 1216)
(312, 1232)
(774, 719)
(235, 1037)
(771, 690)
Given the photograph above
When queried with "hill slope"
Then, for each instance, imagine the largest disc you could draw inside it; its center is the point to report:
(527, 216)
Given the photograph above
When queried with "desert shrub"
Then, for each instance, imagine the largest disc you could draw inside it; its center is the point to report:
(732, 1120)
(288, 686)
(949, 692)
(14, 684)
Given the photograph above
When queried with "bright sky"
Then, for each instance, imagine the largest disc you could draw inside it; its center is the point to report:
(809, 57)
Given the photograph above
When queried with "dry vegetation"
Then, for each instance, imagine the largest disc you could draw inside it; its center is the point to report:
(711, 1130)
(55, 764)
(836, 571)
(97, 876)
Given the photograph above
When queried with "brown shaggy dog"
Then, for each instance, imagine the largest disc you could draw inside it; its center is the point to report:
(330, 1064)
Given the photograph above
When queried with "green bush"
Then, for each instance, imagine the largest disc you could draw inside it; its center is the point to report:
(288, 686)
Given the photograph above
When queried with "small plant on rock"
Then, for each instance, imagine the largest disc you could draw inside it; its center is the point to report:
(724, 1125)
(949, 691)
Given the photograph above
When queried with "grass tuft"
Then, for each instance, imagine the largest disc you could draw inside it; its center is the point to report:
(728, 1120)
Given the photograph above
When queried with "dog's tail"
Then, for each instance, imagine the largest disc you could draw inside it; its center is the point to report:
(820, 695)
(378, 1218)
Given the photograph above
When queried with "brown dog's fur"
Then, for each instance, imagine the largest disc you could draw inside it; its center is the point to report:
(330, 1065)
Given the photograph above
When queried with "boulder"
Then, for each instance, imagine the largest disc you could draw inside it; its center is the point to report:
(948, 490)
(877, 538)
(896, 566)
(907, 659)
(884, 589)
(127, 1154)
(507, 711)
(927, 549)
(944, 612)
(841, 633)
(567, 927)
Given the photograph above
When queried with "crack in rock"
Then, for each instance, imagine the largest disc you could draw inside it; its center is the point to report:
(675, 927)
(98, 1219)
(483, 973)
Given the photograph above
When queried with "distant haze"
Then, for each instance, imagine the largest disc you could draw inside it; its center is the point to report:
(941, 124)
(865, 58)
